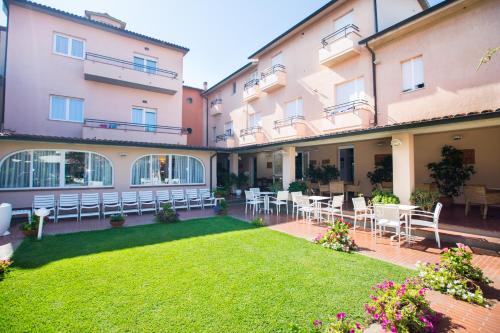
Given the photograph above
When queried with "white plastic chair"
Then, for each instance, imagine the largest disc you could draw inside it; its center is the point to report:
(193, 198)
(90, 201)
(162, 197)
(111, 200)
(294, 200)
(207, 198)
(333, 208)
(388, 216)
(45, 201)
(70, 204)
(252, 201)
(280, 200)
(130, 203)
(179, 199)
(432, 216)
(146, 202)
(256, 192)
(362, 211)
(305, 207)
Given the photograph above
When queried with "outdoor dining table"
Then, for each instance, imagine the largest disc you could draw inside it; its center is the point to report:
(406, 211)
(317, 204)
(265, 196)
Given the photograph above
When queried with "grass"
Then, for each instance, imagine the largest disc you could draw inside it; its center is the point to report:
(207, 275)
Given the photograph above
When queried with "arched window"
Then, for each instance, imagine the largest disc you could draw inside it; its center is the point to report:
(55, 168)
(167, 170)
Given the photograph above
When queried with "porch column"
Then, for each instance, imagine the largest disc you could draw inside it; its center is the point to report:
(288, 166)
(403, 166)
(233, 163)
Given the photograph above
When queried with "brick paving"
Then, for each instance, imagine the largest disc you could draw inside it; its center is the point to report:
(458, 316)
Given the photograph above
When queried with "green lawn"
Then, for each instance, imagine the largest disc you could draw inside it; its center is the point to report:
(205, 275)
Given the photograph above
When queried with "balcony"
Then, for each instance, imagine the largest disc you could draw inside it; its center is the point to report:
(251, 90)
(350, 115)
(124, 73)
(227, 137)
(216, 107)
(339, 46)
(252, 135)
(294, 126)
(273, 78)
(123, 131)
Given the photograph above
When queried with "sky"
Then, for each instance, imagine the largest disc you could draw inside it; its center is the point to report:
(220, 34)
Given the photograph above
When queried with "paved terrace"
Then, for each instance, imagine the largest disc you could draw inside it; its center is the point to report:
(458, 316)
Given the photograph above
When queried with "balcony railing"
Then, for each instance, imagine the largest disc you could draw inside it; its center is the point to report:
(216, 101)
(130, 65)
(341, 33)
(345, 107)
(251, 130)
(124, 126)
(273, 69)
(225, 136)
(287, 121)
(250, 84)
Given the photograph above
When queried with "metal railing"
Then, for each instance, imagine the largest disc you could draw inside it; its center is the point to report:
(215, 102)
(223, 137)
(345, 107)
(250, 84)
(129, 65)
(287, 121)
(251, 130)
(124, 126)
(271, 70)
(341, 33)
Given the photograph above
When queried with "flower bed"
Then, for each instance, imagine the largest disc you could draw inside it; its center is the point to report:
(337, 237)
(4, 267)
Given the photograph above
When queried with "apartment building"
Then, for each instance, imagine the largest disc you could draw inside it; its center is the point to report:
(92, 106)
(193, 115)
(360, 80)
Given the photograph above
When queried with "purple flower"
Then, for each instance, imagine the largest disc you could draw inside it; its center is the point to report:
(394, 329)
(317, 323)
(358, 326)
(341, 315)
(375, 316)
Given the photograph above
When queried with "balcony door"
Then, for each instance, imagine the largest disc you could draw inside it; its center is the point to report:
(146, 117)
(349, 91)
(346, 163)
(254, 120)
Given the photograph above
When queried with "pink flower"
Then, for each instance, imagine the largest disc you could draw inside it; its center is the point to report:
(445, 250)
(460, 246)
(317, 323)
(358, 326)
(422, 291)
(394, 329)
(341, 315)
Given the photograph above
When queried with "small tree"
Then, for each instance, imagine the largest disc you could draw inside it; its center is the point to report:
(450, 173)
(382, 172)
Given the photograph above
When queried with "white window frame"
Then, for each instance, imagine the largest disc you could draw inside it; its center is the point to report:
(252, 123)
(360, 93)
(143, 117)
(66, 109)
(278, 56)
(229, 125)
(296, 113)
(70, 43)
(413, 83)
(170, 170)
(145, 61)
(62, 168)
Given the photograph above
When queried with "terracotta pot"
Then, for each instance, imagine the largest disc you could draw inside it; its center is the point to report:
(30, 233)
(446, 201)
(116, 224)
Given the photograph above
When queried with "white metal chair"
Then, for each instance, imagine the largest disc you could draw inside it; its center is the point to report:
(193, 198)
(112, 201)
(252, 201)
(45, 201)
(68, 207)
(130, 203)
(305, 207)
(146, 202)
(362, 211)
(207, 198)
(333, 208)
(256, 192)
(280, 200)
(388, 216)
(162, 197)
(294, 201)
(431, 220)
(90, 201)
(179, 199)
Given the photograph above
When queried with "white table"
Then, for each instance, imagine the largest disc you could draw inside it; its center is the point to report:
(406, 211)
(265, 196)
(316, 199)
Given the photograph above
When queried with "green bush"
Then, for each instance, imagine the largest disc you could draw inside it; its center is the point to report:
(117, 218)
(221, 207)
(384, 197)
(276, 186)
(427, 200)
(382, 171)
(167, 214)
(258, 222)
(297, 186)
(4, 267)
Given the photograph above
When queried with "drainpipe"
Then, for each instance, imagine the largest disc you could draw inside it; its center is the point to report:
(374, 83)
(211, 159)
(205, 85)
(375, 15)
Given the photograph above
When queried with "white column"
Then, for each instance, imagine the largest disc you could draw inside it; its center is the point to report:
(403, 166)
(288, 166)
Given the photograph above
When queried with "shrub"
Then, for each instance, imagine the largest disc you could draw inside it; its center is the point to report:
(167, 214)
(401, 307)
(221, 207)
(425, 199)
(337, 237)
(276, 186)
(382, 171)
(297, 186)
(323, 174)
(384, 197)
(221, 192)
(258, 222)
(4, 267)
(117, 218)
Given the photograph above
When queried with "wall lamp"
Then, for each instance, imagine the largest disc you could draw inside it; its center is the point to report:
(396, 142)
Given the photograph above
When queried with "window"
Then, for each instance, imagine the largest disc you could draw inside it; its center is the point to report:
(277, 59)
(66, 108)
(413, 74)
(234, 88)
(343, 21)
(349, 91)
(228, 128)
(146, 117)
(55, 168)
(144, 64)
(254, 120)
(167, 170)
(294, 108)
(189, 100)
(69, 46)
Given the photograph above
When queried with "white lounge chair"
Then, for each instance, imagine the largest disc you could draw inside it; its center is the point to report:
(45, 201)
(162, 197)
(252, 201)
(179, 199)
(130, 203)
(68, 207)
(431, 220)
(90, 201)
(207, 198)
(147, 202)
(193, 198)
(111, 201)
(362, 211)
(281, 199)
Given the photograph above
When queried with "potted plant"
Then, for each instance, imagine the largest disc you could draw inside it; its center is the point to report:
(117, 220)
(167, 214)
(427, 200)
(4, 267)
(297, 186)
(31, 229)
(451, 173)
(276, 186)
(384, 197)
(241, 181)
(221, 207)
(382, 172)
(220, 192)
(328, 173)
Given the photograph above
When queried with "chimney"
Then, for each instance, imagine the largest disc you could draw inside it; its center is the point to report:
(205, 85)
(105, 18)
